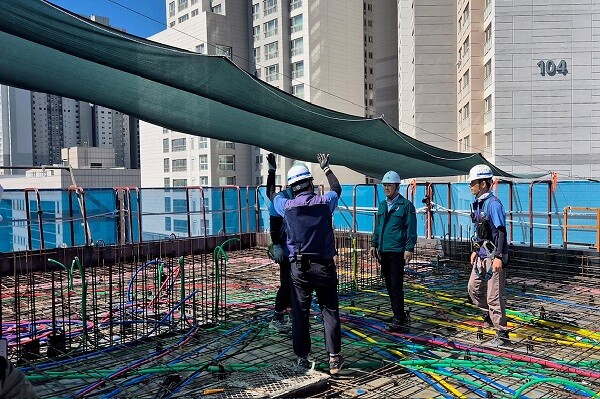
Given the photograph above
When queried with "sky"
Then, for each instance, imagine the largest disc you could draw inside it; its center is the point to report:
(139, 17)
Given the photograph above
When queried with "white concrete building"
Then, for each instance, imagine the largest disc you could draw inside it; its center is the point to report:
(16, 145)
(427, 71)
(304, 47)
(529, 81)
(35, 126)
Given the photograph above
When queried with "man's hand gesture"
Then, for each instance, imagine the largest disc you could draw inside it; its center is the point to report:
(271, 161)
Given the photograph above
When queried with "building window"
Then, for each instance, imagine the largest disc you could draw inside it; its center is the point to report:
(223, 50)
(259, 180)
(270, 28)
(270, 6)
(298, 90)
(271, 51)
(295, 4)
(168, 223)
(179, 206)
(204, 180)
(179, 165)
(180, 226)
(182, 4)
(467, 143)
(257, 73)
(488, 140)
(226, 162)
(488, 104)
(172, 9)
(202, 142)
(466, 14)
(166, 165)
(218, 9)
(297, 46)
(488, 33)
(272, 73)
(465, 111)
(466, 46)
(297, 69)
(165, 145)
(167, 182)
(256, 55)
(200, 49)
(167, 204)
(256, 32)
(179, 182)
(203, 162)
(227, 181)
(194, 12)
(226, 144)
(184, 17)
(296, 23)
(255, 11)
(488, 68)
(178, 145)
(465, 79)
(171, 24)
(194, 2)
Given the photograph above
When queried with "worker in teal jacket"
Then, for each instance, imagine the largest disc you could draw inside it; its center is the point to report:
(393, 243)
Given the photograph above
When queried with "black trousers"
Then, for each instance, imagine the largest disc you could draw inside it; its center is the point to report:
(320, 277)
(392, 268)
(283, 300)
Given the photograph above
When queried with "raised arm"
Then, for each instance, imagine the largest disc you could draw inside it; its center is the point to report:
(333, 181)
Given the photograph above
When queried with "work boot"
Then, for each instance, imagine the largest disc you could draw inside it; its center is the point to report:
(487, 321)
(397, 326)
(501, 339)
(335, 364)
(302, 365)
(281, 325)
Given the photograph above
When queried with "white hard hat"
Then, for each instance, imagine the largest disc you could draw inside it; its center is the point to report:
(391, 177)
(480, 172)
(297, 173)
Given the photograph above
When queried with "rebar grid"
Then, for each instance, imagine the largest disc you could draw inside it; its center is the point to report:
(222, 337)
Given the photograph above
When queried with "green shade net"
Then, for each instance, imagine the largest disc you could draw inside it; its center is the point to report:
(47, 49)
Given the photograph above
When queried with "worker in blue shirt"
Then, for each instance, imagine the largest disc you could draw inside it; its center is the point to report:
(308, 218)
(393, 243)
(490, 253)
(280, 254)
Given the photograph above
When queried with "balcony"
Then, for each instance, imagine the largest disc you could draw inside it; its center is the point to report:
(464, 123)
(487, 81)
(487, 10)
(466, 56)
(487, 116)
(487, 46)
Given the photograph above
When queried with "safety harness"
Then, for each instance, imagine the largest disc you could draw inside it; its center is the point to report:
(482, 237)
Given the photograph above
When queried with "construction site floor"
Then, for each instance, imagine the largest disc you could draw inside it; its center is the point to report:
(555, 331)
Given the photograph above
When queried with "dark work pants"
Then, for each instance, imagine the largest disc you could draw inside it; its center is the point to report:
(392, 268)
(321, 278)
(284, 294)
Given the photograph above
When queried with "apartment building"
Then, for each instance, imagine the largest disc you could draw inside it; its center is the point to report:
(526, 85)
(304, 47)
(36, 126)
(427, 95)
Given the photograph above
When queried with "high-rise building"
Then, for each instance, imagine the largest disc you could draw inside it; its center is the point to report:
(305, 47)
(427, 95)
(36, 126)
(527, 85)
(16, 144)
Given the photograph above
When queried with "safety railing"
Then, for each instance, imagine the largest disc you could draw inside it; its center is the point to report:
(583, 212)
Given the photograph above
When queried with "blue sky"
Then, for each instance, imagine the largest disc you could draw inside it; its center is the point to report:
(139, 17)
